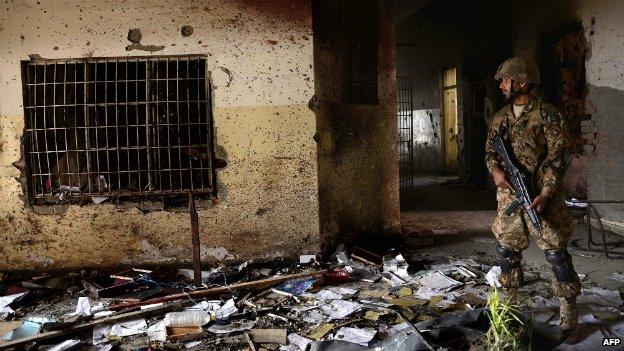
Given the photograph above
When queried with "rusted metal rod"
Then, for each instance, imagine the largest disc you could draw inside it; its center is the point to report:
(195, 239)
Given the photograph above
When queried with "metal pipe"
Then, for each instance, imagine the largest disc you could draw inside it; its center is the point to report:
(195, 240)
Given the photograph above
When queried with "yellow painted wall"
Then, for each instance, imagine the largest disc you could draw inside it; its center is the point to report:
(263, 128)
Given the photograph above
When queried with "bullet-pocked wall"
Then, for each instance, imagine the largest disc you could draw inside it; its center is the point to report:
(600, 164)
(355, 105)
(259, 54)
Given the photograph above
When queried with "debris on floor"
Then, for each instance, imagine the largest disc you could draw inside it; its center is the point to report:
(358, 300)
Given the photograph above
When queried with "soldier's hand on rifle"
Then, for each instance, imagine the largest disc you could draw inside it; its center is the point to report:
(500, 179)
(539, 203)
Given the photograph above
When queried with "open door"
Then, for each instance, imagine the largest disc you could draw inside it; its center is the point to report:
(450, 120)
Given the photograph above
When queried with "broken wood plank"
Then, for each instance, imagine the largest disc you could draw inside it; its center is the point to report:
(365, 256)
(15, 344)
(256, 285)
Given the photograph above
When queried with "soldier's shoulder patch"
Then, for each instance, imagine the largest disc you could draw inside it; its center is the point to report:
(550, 113)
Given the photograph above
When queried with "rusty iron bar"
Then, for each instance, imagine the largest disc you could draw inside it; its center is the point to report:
(195, 238)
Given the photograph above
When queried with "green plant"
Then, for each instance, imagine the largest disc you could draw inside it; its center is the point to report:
(507, 331)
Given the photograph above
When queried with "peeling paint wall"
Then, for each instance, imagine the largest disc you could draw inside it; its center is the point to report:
(358, 161)
(260, 57)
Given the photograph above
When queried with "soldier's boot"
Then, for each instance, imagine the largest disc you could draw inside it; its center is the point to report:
(567, 286)
(511, 276)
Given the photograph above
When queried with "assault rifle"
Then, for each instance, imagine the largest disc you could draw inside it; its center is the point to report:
(518, 177)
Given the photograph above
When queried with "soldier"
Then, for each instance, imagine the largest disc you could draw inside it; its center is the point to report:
(539, 137)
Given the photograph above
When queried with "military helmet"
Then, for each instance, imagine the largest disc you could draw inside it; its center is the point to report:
(519, 69)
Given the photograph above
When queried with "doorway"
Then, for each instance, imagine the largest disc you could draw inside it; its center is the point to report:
(449, 111)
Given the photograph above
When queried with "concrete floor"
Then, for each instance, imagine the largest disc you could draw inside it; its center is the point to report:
(458, 218)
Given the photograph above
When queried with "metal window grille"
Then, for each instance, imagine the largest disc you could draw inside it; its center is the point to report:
(117, 127)
(406, 136)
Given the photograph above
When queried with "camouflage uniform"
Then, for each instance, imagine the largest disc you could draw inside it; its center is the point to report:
(540, 139)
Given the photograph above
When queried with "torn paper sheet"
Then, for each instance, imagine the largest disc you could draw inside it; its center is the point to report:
(492, 276)
(326, 295)
(313, 317)
(227, 309)
(425, 293)
(343, 291)
(397, 266)
(231, 327)
(393, 279)
(439, 282)
(338, 309)
(299, 341)
(83, 307)
(5, 301)
(9, 299)
(157, 331)
(104, 333)
(303, 259)
(127, 328)
(355, 335)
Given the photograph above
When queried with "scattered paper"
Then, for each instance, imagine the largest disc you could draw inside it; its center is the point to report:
(231, 327)
(343, 291)
(5, 301)
(493, 275)
(98, 199)
(617, 276)
(307, 259)
(338, 309)
(397, 266)
(314, 317)
(227, 309)
(600, 296)
(157, 331)
(83, 307)
(437, 281)
(104, 333)
(299, 341)
(355, 335)
(326, 295)
(128, 328)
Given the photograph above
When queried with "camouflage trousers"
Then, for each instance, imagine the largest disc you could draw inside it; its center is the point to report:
(513, 232)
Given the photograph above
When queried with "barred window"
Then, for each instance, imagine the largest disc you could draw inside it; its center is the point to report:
(117, 127)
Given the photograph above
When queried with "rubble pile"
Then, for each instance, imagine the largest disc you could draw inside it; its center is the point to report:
(358, 300)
